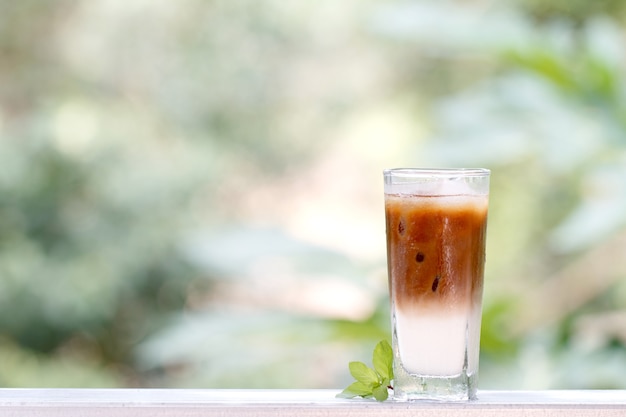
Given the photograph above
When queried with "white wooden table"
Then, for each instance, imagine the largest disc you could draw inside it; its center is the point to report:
(199, 402)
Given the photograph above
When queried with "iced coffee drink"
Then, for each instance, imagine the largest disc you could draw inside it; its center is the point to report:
(436, 223)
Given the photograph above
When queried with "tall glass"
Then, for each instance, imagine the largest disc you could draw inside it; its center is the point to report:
(436, 224)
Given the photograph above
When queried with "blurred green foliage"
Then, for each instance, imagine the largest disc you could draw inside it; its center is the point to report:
(153, 154)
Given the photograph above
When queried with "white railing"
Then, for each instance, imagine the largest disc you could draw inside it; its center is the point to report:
(195, 403)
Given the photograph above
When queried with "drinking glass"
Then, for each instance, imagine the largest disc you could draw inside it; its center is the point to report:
(436, 222)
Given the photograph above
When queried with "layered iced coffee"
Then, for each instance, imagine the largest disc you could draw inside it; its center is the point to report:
(436, 256)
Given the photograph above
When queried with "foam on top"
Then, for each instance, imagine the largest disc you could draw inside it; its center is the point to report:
(437, 182)
(408, 202)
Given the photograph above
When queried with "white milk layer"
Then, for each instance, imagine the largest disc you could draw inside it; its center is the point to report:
(434, 344)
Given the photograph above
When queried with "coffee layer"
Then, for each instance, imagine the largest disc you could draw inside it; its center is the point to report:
(435, 250)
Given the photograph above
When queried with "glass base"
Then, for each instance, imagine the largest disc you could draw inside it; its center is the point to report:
(409, 387)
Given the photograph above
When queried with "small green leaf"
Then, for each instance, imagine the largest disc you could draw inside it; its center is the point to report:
(372, 383)
(362, 373)
(381, 393)
(356, 389)
(383, 359)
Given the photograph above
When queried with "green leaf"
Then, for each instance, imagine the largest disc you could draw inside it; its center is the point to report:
(364, 374)
(383, 360)
(381, 393)
(356, 389)
(372, 383)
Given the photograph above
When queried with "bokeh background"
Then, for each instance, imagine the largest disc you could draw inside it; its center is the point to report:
(191, 191)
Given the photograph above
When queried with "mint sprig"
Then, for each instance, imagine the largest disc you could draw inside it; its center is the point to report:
(372, 382)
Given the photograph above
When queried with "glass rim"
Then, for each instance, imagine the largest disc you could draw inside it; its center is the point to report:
(436, 172)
